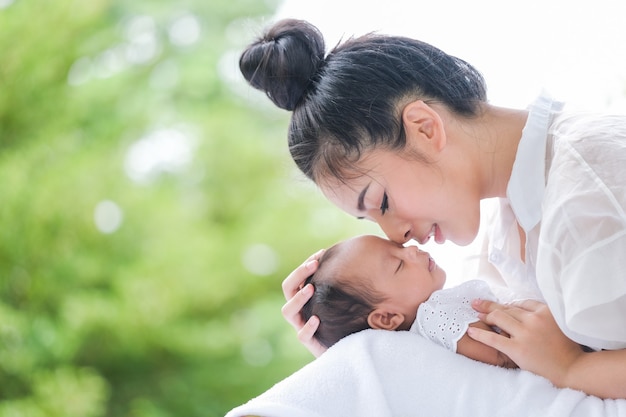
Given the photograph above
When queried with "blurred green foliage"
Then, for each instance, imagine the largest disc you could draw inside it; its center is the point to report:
(149, 211)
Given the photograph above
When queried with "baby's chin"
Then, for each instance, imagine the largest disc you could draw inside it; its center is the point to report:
(438, 273)
(442, 280)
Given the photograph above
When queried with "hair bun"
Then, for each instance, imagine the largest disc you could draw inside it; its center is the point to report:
(283, 62)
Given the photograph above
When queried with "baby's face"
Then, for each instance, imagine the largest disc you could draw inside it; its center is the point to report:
(406, 275)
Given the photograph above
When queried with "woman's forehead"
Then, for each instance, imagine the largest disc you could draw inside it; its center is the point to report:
(368, 163)
(346, 195)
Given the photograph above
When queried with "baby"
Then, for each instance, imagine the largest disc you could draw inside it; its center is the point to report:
(370, 282)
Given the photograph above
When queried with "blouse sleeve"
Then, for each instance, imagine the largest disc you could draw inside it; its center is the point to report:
(581, 262)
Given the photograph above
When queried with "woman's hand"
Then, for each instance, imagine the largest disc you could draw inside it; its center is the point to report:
(536, 344)
(531, 338)
(296, 297)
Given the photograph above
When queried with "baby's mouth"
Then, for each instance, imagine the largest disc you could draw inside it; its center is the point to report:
(431, 264)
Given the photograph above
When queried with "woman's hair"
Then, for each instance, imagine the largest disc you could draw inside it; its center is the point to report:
(341, 305)
(351, 100)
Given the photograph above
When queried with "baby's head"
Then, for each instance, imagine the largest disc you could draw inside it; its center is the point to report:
(369, 282)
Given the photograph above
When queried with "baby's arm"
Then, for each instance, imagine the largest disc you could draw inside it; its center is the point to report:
(476, 350)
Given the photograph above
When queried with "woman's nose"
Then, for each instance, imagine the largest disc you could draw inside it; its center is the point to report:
(399, 235)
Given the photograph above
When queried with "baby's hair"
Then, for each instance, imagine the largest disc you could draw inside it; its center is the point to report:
(341, 306)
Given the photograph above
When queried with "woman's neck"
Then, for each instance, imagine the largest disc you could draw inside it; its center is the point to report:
(499, 130)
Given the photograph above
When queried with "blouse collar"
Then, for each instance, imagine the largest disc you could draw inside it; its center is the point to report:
(527, 182)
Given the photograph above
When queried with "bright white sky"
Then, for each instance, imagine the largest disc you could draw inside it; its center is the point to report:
(574, 49)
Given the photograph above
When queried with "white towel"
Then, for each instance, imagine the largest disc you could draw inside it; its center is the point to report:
(380, 373)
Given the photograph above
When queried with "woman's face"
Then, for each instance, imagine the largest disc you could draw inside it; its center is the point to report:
(411, 199)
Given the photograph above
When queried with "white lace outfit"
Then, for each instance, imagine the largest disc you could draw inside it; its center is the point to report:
(446, 315)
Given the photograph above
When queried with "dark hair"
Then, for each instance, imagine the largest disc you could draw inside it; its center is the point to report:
(341, 306)
(351, 100)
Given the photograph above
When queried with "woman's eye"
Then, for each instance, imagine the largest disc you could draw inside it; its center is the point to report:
(384, 205)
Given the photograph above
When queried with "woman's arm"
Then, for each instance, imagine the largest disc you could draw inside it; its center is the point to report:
(297, 297)
(537, 344)
(479, 351)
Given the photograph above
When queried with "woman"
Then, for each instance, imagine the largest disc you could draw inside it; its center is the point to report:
(398, 132)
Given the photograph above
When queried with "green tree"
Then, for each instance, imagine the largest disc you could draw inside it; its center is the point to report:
(149, 212)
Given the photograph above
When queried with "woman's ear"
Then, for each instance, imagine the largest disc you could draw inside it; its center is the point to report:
(422, 123)
(385, 320)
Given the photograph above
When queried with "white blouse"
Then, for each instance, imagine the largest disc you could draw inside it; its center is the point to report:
(568, 192)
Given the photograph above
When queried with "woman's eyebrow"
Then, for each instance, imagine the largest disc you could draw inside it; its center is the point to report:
(361, 201)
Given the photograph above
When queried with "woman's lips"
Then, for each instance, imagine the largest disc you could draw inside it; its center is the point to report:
(439, 237)
(435, 232)
(426, 238)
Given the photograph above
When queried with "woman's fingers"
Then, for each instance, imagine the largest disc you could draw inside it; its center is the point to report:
(508, 317)
(535, 342)
(527, 305)
(486, 306)
(294, 281)
(305, 336)
(291, 309)
(514, 318)
(497, 341)
(306, 331)
(297, 294)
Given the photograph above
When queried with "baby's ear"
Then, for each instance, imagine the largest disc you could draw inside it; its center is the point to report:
(385, 320)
